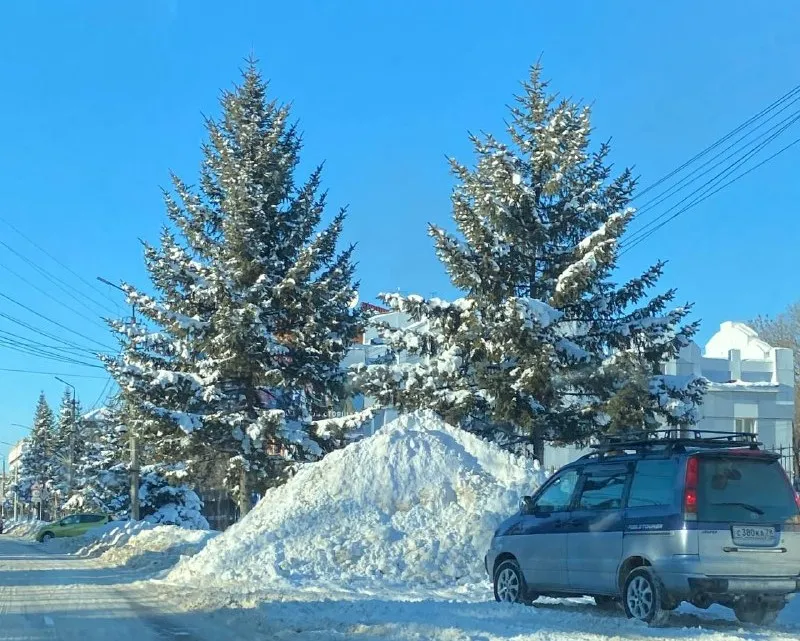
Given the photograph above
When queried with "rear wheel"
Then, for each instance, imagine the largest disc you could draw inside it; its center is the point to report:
(509, 584)
(757, 612)
(643, 597)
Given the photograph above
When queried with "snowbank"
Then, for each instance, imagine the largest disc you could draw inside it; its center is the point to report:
(414, 504)
(22, 528)
(134, 544)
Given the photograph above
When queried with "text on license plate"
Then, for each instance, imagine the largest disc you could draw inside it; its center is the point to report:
(749, 533)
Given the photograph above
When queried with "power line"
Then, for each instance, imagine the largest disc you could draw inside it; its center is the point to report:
(49, 295)
(776, 132)
(39, 352)
(696, 174)
(773, 132)
(46, 334)
(50, 320)
(88, 283)
(27, 339)
(37, 372)
(708, 195)
(746, 123)
(103, 396)
(61, 283)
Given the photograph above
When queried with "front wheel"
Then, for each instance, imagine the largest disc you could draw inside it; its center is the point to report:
(47, 536)
(643, 597)
(509, 584)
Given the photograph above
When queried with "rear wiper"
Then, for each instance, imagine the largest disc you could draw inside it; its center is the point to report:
(746, 506)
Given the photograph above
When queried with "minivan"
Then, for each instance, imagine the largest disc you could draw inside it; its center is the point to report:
(652, 520)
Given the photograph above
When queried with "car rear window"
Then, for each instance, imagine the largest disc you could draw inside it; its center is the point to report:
(744, 490)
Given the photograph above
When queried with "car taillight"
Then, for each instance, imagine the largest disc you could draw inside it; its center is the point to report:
(690, 488)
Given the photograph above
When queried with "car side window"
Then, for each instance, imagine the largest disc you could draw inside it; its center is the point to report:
(603, 490)
(90, 518)
(558, 495)
(69, 520)
(653, 483)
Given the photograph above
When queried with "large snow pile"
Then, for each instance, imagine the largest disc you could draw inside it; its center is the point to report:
(416, 503)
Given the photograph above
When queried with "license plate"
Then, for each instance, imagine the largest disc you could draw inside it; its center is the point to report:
(753, 535)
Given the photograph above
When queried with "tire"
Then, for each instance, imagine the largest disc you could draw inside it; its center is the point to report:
(755, 613)
(509, 584)
(47, 536)
(643, 597)
(607, 603)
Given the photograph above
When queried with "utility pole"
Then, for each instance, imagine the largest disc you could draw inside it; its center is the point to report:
(134, 443)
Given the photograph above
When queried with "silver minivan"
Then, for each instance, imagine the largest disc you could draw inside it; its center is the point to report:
(654, 520)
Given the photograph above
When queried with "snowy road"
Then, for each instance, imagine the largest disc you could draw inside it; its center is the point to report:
(59, 598)
(52, 597)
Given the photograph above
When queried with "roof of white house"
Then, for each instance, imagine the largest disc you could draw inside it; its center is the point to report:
(735, 335)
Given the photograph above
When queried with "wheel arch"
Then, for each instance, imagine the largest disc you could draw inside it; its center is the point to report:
(501, 558)
(628, 565)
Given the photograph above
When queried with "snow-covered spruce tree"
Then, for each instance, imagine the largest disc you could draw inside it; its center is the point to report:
(543, 341)
(101, 471)
(166, 499)
(37, 465)
(67, 445)
(250, 303)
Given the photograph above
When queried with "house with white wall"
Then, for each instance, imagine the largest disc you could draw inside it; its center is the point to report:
(750, 389)
(15, 457)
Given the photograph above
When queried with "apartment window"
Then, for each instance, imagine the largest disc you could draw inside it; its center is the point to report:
(745, 425)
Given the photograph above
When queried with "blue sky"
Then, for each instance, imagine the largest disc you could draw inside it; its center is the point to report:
(101, 100)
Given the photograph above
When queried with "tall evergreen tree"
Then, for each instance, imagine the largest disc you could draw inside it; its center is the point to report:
(37, 465)
(68, 444)
(250, 319)
(543, 340)
(101, 476)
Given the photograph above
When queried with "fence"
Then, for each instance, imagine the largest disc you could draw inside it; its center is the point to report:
(219, 509)
(790, 459)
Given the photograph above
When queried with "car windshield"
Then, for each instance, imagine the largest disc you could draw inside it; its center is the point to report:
(739, 489)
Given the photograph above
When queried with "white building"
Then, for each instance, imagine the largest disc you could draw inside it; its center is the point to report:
(750, 385)
(15, 457)
(750, 389)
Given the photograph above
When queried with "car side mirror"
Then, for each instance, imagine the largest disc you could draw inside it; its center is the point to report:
(61, 523)
(526, 505)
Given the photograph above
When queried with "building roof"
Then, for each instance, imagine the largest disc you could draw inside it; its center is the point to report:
(736, 335)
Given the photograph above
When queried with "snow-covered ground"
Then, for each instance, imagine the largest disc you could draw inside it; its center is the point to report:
(381, 540)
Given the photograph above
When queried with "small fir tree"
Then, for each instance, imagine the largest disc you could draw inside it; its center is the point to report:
(37, 465)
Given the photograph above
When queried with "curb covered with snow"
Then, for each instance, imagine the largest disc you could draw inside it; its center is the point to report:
(414, 504)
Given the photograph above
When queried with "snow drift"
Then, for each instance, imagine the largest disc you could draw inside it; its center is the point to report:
(416, 503)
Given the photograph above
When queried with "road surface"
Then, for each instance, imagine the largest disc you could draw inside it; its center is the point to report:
(60, 598)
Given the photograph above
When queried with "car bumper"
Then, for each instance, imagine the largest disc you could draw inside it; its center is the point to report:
(682, 575)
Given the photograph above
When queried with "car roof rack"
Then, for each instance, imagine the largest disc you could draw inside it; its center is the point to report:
(671, 440)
